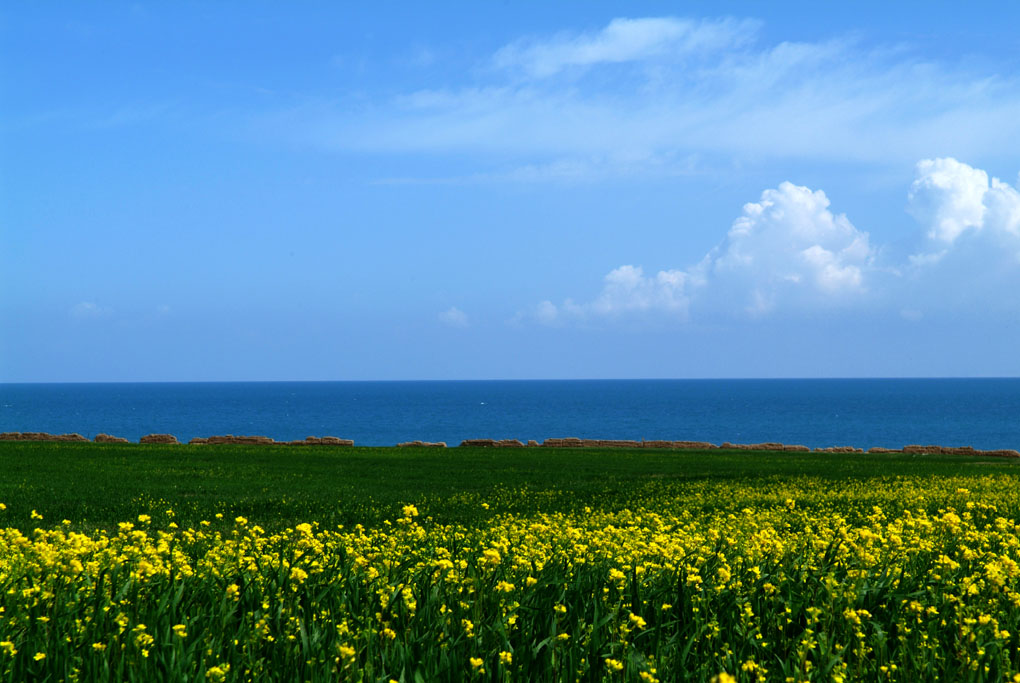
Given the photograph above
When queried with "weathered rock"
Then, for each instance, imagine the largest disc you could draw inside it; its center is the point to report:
(478, 443)
(879, 449)
(508, 443)
(959, 450)
(795, 448)
(568, 442)
(106, 438)
(693, 445)
(36, 436)
(40, 436)
(335, 441)
(618, 443)
(914, 449)
(241, 440)
(532, 443)
(1001, 453)
(746, 446)
(321, 441)
(657, 443)
(159, 438)
(839, 449)
(199, 440)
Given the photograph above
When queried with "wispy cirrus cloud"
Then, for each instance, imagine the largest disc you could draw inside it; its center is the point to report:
(623, 40)
(641, 92)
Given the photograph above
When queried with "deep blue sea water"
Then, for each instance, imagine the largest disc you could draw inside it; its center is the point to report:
(984, 413)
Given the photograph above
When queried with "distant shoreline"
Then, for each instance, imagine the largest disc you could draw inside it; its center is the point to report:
(568, 442)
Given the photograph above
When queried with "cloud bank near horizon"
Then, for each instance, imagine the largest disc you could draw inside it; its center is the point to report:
(789, 253)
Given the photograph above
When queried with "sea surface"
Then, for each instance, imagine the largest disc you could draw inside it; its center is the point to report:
(984, 413)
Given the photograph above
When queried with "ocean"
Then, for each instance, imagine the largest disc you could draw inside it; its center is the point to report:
(983, 413)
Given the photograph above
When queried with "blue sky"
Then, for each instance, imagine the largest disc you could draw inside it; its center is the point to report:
(328, 191)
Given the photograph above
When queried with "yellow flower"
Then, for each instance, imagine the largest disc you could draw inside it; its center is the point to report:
(614, 664)
(241, 521)
(99, 647)
(39, 656)
(7, 647)
(506, 658)
(724, 677)
(36, 515)
(410, 511)
(144, 519)
(181, 631)
(217, 674)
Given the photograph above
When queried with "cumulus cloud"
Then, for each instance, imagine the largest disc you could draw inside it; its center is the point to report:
(790, 251)
(622, 40)
(786, 249)
(454, 317)
(957, 202)
(789, 244)
(625, 290)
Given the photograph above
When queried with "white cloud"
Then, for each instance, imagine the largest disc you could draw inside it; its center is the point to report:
(625, 290)
(454, 317)
(787, 249)
(622, 40)
(547, 313)
(89, 310)
(790, 252)
(789, 244)
(640, 91)
(948, 196)
(955, 201)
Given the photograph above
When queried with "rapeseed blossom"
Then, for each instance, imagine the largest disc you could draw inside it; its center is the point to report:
(897, 580)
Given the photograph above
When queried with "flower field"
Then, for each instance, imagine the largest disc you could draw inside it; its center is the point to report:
(905, 577)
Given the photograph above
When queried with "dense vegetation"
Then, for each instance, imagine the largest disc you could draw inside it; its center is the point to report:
(129, 562)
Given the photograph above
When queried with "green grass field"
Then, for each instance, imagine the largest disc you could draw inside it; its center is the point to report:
(234, 563)
(96, 486)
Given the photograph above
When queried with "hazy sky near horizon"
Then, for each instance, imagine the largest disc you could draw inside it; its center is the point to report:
(329, 191)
